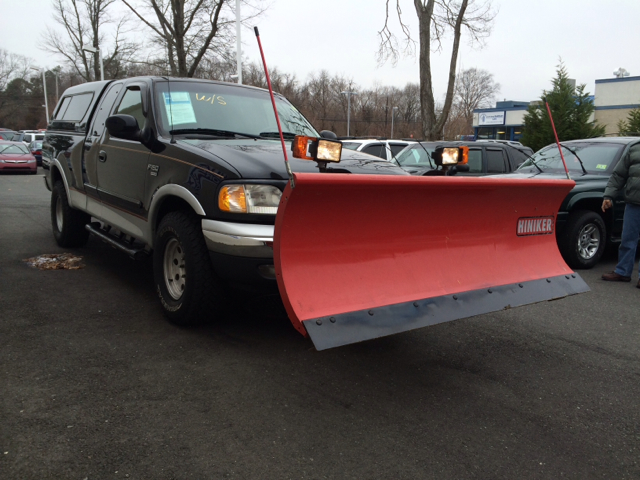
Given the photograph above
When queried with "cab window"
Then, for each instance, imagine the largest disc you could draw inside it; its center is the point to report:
(131, 104)
(475, 161)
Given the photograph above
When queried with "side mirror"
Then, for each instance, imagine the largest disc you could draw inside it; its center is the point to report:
(328, 134)
(123, 126)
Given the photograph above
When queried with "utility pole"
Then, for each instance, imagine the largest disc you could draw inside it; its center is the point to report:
(348, 94)
(44, 86)
(393, 111)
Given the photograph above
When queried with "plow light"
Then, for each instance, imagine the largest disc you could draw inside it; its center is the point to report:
(261, 199)
(318, 149)
(451, 155)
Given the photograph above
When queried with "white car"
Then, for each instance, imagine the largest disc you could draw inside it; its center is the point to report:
(385, 149)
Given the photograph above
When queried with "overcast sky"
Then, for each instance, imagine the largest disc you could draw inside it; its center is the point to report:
(593, 37)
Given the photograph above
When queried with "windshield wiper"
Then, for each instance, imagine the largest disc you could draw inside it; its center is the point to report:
(287, 135)
(213, 132)
(584, 170)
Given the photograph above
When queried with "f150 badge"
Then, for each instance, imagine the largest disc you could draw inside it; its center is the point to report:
(153, 169)
(535, 226)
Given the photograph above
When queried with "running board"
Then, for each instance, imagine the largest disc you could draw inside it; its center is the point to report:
(135, 252)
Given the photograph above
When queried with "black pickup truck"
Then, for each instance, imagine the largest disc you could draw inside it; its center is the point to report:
(189, 171)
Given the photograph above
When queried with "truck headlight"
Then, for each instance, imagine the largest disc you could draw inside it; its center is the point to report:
(262, 199)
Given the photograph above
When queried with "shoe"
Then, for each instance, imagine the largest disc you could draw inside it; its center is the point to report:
(615, 277)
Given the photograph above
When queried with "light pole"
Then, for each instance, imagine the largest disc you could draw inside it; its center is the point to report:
(348, 94)
(99, 52)
(393, 111)
(44, 86)
(238, 43)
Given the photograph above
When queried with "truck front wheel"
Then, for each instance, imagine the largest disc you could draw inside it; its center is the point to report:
(583, 240)
(188, 289)
(67, 222)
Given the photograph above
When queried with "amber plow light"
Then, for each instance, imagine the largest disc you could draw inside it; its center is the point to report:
(451, 155)
(318, 149)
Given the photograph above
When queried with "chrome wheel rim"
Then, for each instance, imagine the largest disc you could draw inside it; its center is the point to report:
(59, 215)
(588, 241)
(173, 267)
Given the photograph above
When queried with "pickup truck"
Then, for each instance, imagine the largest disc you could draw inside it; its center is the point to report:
(188, 171)
(485, 158)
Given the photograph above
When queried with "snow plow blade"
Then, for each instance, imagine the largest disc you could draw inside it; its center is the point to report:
(363, 256)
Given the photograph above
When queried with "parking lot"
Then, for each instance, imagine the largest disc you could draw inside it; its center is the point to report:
(96, 384)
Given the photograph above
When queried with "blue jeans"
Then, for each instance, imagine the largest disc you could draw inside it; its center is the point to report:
(629, 243)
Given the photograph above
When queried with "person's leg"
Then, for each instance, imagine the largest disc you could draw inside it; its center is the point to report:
(629, 243)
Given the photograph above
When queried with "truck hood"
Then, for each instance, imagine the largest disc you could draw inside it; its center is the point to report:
(264, 159)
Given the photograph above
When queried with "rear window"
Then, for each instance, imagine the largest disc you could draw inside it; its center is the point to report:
(75, 108)
(350, 145)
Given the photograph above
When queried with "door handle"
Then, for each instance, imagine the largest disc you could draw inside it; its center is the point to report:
(102, 156)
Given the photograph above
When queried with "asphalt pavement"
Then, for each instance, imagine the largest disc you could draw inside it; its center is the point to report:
(95, 384)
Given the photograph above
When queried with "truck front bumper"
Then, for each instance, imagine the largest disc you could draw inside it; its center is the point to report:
(241, 253)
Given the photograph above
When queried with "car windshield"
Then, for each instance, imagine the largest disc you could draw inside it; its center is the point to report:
(224, 111)
(416, 156)
(13, 149)
(596, 157)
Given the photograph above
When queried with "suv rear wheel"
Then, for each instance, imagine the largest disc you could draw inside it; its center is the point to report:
(583, 240)
(189, 291)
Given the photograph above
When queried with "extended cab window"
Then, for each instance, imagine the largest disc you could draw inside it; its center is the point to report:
(76, 108)
(131, 104)
(105, 109)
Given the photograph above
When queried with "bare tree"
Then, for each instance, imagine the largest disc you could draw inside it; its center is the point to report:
(475, 88)
(12, 66)
(84, 22)
(436, 18)
(187, 31)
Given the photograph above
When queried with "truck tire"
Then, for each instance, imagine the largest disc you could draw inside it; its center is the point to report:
(189, 291)
(67, 222)
(584, 239)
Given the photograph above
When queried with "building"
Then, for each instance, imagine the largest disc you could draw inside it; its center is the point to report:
(614, 98)
(504, 122)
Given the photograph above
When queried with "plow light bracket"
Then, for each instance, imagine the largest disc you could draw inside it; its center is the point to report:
(317, 149)
(451, 155)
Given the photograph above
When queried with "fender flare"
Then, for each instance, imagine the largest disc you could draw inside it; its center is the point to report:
(170, 190)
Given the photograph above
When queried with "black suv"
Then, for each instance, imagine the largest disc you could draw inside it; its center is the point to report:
(485, 158)
(583, 230)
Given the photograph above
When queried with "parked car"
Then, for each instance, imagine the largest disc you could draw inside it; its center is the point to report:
(35, 148)
(6, 134)
(485, 158)
(382, 148)
(15, 157)
(27, 136)
(583, 230)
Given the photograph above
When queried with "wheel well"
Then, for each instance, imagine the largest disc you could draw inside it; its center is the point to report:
(170, 204)
(55, 175)
(594, 205)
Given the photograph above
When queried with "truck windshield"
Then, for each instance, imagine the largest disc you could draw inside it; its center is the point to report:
(224, 109)
(596, 157)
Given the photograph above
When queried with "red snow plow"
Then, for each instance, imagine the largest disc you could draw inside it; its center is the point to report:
(363, 256)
